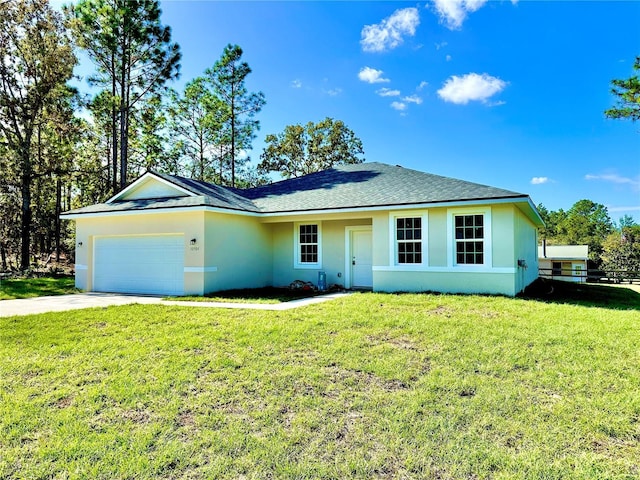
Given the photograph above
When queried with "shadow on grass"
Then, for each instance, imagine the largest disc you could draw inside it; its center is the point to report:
(277, 295)
(588, 295)
(36, 287)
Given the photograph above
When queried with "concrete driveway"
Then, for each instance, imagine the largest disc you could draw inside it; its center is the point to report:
(61, 303)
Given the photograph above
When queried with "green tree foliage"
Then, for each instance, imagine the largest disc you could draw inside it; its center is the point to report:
(195, 121)
(36, 60)
(621, 251)
(585, 223)
(626, 221)
(239, 107)
(628, 96)
(304, 149)
(134, 58)
(152, 147)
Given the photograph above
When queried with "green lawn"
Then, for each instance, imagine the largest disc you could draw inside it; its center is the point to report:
(366, 386)
(36, 287)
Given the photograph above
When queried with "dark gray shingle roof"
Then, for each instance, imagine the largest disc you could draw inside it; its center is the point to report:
(367, 185)
(346, 186)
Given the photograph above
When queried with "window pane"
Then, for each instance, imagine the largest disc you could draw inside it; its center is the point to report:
(408, 239)
(460, 258)
(479, 220)
(479, 232)
(459, 221)
(459, 233)
(308, 235)
(468, 220)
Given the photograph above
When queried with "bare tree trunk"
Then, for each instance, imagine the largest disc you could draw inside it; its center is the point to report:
(114, 128)
(3, 255)
(57, 219)
(233, 134)
(25, 227)
(124, 114)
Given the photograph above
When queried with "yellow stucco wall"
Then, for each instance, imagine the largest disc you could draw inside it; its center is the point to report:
(239, 248)
(525, 250)
(513, 237)
(437, 237)
(333, 246)
(240, 251)
(445, 282)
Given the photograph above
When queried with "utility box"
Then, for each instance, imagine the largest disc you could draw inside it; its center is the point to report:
(322, 281)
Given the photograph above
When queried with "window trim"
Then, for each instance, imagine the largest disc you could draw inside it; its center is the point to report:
(487, 240)
(297, 263)
(424, 241)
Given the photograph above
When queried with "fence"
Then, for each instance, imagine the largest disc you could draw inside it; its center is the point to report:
(591, 276)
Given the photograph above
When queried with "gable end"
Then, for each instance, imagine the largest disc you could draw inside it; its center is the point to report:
(151, 186)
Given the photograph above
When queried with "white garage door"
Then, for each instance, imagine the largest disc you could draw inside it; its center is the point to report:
(151, 264)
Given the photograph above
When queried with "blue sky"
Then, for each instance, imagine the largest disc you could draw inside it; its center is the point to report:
(509, 94)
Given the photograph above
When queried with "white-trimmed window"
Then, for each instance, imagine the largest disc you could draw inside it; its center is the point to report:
(408, 239)
(308, 245)
(469, 236)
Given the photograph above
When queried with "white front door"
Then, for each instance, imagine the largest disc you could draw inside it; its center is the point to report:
(152, 264)
(361, 259)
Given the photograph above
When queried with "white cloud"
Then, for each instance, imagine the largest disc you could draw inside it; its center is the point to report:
(422, 85)
(624, 209)
(371, 75)
(296, 83)
(539, 180)
(448, 58)
(454, 12)
(334, 91)
(441, 45)
(389, 33)
(400, 106)
(470, 87)
(413, 99)
(615, 178)
(387, 92)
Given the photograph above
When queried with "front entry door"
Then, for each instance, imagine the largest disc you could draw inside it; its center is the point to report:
(361, 259)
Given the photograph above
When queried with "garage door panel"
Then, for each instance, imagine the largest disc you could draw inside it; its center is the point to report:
(151, 264)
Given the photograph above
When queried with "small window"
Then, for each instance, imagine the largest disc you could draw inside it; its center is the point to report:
(308, 243)
(409, 240)
(469, 235)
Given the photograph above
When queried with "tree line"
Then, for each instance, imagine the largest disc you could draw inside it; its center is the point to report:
(612, 246)
(61, 148)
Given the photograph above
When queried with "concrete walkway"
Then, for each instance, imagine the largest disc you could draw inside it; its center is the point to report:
(61, 303)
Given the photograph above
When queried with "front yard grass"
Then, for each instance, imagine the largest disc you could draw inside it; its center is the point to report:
(366, 386)
(36, 287)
